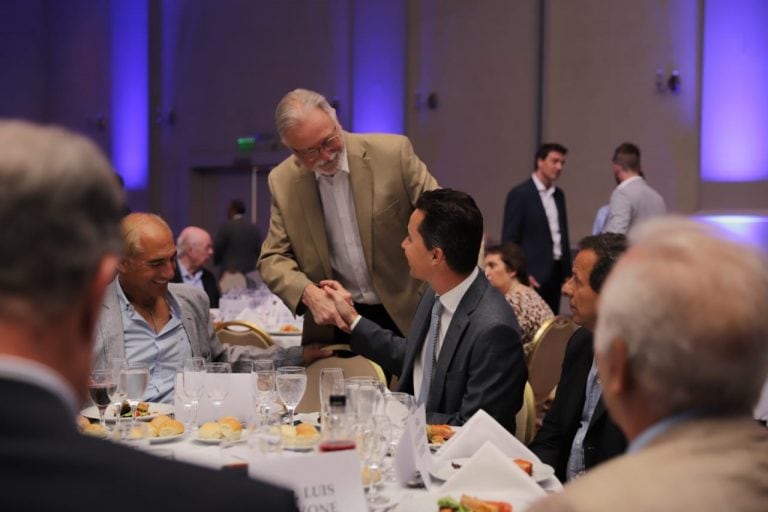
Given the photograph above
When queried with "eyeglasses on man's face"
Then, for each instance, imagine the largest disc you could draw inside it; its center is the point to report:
(311, 154)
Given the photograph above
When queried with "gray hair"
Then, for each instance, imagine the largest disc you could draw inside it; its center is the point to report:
(60, 205)
(692, 308)
(134, 226)
(188, 238)
(294, 106)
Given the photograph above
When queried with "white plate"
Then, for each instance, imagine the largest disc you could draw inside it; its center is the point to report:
(209, 441)
(155, 410)
(421, 501)
(446, 470)
(166, 439)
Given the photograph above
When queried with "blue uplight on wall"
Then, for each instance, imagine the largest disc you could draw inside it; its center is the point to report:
(734, 104)
(378, 80)
(749, 229)
(130, 91)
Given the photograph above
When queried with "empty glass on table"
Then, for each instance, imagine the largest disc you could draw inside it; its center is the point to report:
(193, 382)
(217, 383)
(291, 384)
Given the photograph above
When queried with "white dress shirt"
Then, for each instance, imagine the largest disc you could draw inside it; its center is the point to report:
(346, 248)
(550, 208)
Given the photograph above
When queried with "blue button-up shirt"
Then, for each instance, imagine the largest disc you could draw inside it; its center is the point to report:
(592, 396)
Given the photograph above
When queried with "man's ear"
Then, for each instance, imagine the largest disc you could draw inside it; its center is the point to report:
(438, 255)
(94, 295)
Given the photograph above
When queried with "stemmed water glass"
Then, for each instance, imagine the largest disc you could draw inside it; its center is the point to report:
(291, 384)
(372, 436)
(116, 394)
(193, 379)
(101, 386)
(264, 389)
(397, 407)
(217, 382)
(330, 379)
(134, 378)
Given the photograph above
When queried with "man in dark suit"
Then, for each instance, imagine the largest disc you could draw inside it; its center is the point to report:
(59, 210)
(463, 351)
(238, 241)
(194, 249)
(535, 219)
(577, 433)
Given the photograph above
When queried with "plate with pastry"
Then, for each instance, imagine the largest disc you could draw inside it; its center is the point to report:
(145, 411)
(164, 429)
(226, 428)
(537, 470)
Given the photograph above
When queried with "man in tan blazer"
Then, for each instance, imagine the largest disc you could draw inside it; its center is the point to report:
(681, 352)
(340, 207)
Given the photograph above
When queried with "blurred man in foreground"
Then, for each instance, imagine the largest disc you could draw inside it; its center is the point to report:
(195, 249)
(463, 352)
(59, 211)
(681, 347)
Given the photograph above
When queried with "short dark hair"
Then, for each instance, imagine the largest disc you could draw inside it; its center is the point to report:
(237, 206)
(453, 222)
(514, 259)
(627, 156)
(546, 148)
(608, 247)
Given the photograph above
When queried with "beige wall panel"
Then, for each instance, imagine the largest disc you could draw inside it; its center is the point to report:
(480, 59)
(600, 63)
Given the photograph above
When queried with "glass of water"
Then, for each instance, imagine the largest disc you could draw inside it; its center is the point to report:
(134, 378)
(291, 384)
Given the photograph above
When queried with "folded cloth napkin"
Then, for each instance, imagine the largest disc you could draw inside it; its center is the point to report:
(478, 430)
(489, 469)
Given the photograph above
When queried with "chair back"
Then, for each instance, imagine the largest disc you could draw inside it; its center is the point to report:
(352, 366)
(546, 359)
(525, 419)
(239, 332)
(232, 281)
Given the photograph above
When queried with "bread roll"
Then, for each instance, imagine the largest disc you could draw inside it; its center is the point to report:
(95, 430)
(152, 430)
(171, 428)
(209, 430)
(231, 428)
(158, 421)
(306, 430)
(82, 423)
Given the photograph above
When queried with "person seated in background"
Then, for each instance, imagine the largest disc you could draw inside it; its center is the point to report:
(463, 352)
(146, 318)
(194, 250)
(505, 269)
(59, 209)
(681, 353)
(577, 433)
(238, 241)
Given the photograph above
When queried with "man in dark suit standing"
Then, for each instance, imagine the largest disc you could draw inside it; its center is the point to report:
(577, 433)
(463, 351)
(194, 249)
(535, 219)
(238, 241)
(59, 209)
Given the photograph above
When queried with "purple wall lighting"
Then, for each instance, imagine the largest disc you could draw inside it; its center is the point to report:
(130, 91)
(734, 104)
(378, 82)
(749, 229)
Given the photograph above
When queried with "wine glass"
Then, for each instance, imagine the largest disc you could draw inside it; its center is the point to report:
(193, 379)
(217, 382)
(372, 436)
(101, 386)
(117, 394)
(134, 378)
(291, 384)
(263, 364)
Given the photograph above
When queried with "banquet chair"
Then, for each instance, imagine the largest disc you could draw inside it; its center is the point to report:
(546, 358)
(525, 419)
(232, 281)
(351, 364)
(239, 332)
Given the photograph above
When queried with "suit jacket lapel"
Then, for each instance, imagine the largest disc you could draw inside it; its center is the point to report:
(309, 196)
(361, 182)
(453, 336)
(418, 332)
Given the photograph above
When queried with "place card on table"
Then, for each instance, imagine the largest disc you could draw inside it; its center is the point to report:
(412, 452)
(321, 481)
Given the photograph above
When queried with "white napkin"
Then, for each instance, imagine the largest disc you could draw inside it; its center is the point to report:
(482, 428)
(491, 470)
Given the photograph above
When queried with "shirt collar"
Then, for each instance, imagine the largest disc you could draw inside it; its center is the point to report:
(450, 299)
(31, 372)
(125, 304)
(186, 274)
(540, 186)
(648, 435)
(628, 181)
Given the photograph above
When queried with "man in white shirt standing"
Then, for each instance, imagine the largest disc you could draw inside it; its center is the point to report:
(633, 200)
(535, 219)
(340, 206)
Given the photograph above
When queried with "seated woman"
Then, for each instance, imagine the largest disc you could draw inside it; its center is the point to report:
(506, 270)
